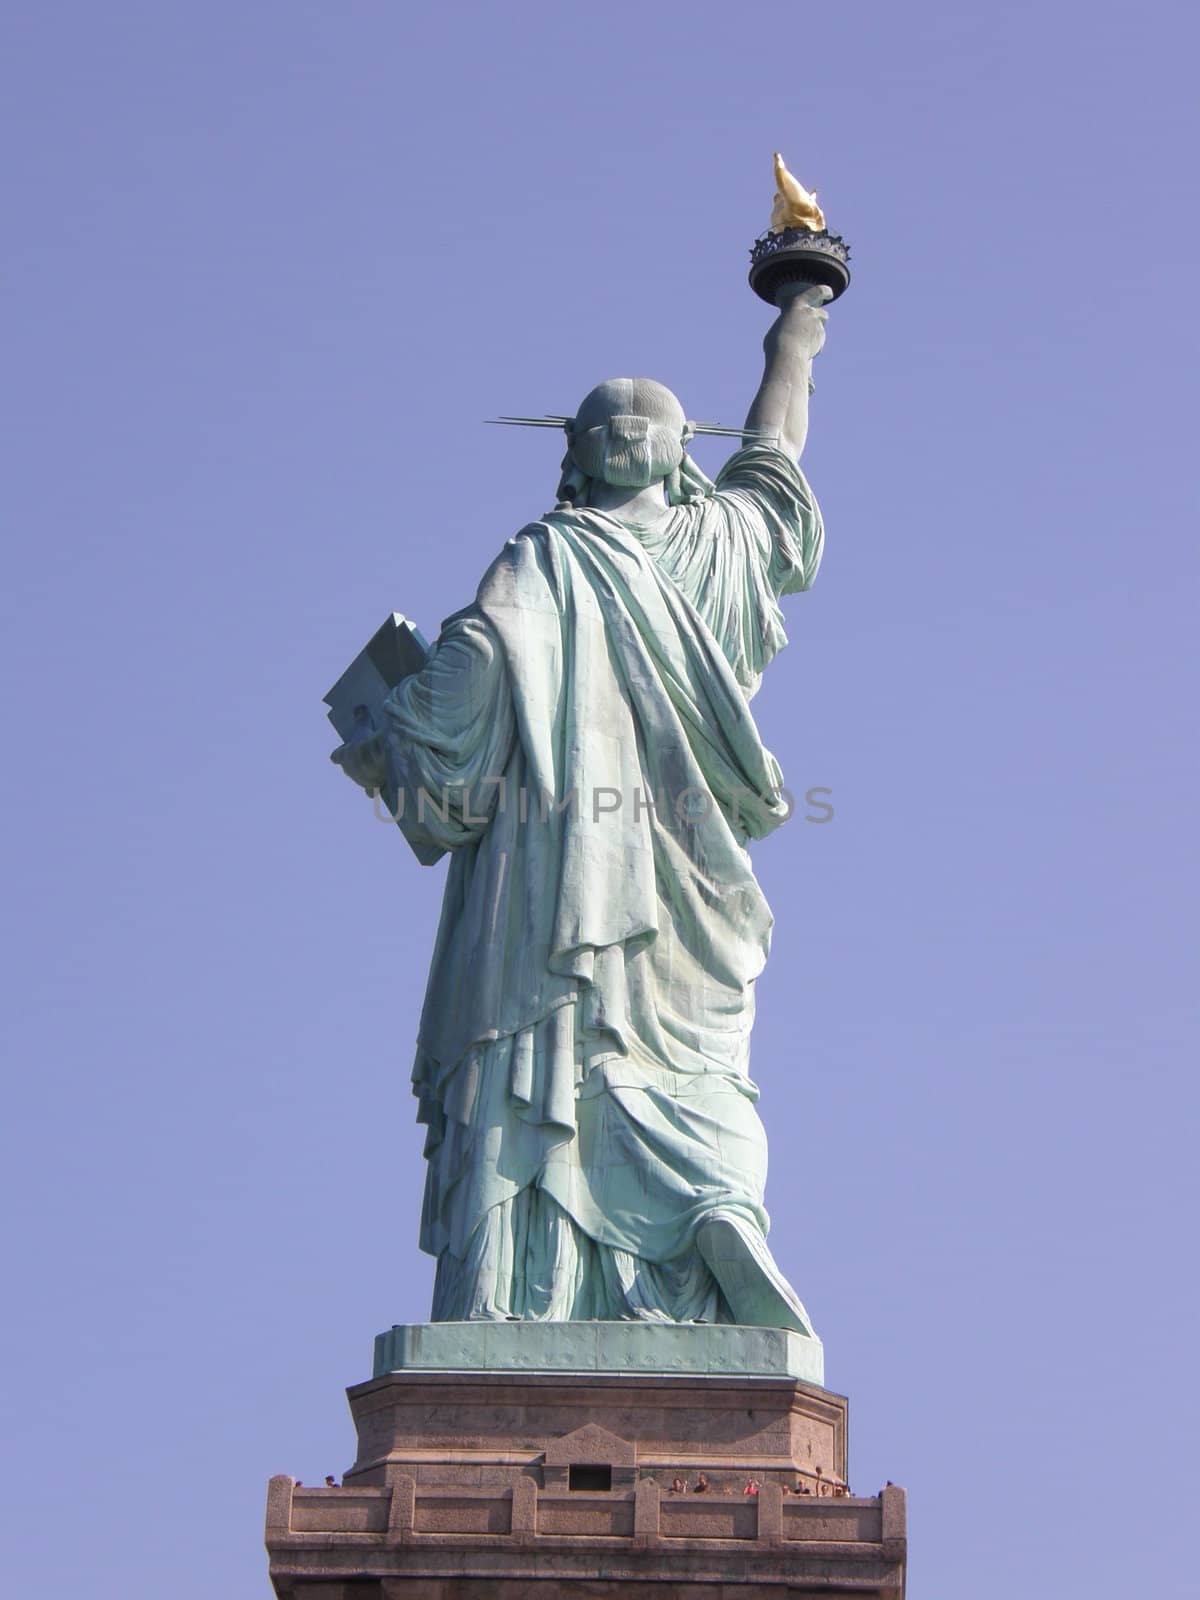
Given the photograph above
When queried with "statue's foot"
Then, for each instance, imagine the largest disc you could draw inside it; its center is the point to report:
(757, 1292)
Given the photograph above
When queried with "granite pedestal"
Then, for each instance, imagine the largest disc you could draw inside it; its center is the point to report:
(510, 1481)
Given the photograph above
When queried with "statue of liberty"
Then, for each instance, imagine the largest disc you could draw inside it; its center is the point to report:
(584, 728)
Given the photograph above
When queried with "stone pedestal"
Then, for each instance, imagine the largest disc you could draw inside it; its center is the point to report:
(519, 1484)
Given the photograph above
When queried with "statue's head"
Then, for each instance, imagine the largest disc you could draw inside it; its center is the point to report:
(630, 432)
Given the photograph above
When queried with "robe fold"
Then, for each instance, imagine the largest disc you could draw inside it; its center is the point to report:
(581, 742)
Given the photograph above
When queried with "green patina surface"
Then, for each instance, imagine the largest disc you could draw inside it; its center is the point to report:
(596, 1165)
(599, 1347)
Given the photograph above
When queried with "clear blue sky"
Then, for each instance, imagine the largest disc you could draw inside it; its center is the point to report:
(269, 266)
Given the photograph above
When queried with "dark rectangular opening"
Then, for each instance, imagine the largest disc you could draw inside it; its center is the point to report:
(589, 1477)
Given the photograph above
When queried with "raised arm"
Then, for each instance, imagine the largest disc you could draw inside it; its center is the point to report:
(780, 408)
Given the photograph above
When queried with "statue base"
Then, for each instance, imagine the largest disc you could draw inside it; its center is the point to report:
(492, 1484)
(611, 1347)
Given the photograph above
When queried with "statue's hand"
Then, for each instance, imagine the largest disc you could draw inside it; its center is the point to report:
(801, 321)
(364, 760)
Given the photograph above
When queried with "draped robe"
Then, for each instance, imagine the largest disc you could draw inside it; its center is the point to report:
(583, 738)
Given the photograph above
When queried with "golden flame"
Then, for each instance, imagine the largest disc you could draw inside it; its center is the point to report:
(794, 207)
